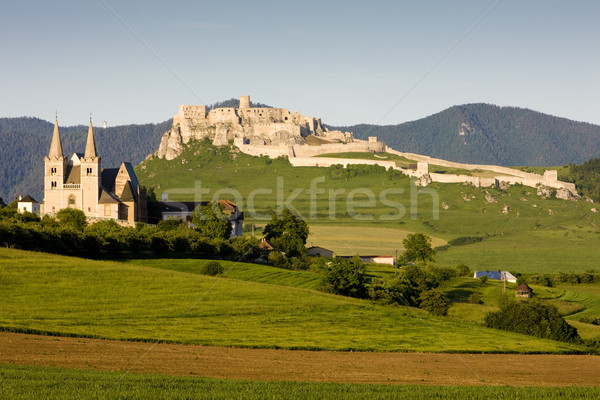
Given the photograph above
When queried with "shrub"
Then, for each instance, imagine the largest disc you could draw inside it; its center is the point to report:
(588, 319)
(212, 268)
(344, 277)
(435, 302)
(483, 279)
(464, 240)
(462, 270)
(475, 298)
(545, 280)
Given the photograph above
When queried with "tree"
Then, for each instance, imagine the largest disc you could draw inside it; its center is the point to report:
(434, 301)
(211, 222)
(72, 218)
(462, 270)
(287, 233)
(344, 277)
(417, 247)
(153, 207)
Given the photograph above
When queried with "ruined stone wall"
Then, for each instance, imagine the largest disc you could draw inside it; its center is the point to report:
(357, 146)
(510, 175)
(327, 162)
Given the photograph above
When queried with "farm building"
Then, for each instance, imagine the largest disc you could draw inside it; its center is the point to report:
(317, 251)
(390, 260)
(184, 209)
(496, 275)
(265, 245)
(523, 291)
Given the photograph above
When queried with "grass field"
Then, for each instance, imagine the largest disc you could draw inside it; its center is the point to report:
(350, 240)
(20, 382)
(72, 296)
(239, 271)
(537, 235)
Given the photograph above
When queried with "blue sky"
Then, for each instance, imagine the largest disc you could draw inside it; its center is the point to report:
(347, 62)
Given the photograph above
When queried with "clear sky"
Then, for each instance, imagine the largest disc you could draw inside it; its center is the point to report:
(347, 62)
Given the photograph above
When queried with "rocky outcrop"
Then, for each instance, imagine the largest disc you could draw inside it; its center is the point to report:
(423, 180)
(565, 194)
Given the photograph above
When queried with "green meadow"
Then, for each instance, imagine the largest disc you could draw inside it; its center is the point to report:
(536, 235)
(21, 382)
(116, 300)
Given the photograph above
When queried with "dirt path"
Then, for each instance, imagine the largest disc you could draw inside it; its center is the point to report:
(258, 364)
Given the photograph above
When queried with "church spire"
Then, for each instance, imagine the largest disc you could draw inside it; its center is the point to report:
(56, 149)
(90, 147)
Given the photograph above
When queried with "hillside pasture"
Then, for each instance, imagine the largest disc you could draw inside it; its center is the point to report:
(347, 240)
(79, 297)
(535, 235)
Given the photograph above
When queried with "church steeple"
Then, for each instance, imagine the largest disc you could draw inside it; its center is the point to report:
(90, 147)
(56, 149)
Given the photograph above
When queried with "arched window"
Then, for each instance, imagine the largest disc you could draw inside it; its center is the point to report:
(72, 200)
(106, 210)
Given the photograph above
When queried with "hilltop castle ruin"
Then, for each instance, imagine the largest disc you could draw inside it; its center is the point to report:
(248, 125)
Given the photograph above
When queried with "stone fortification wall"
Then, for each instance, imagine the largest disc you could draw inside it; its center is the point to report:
(505, 174)
(327, 162)
(257, 150)
(451, 164)
(303, 150)
(358, 146)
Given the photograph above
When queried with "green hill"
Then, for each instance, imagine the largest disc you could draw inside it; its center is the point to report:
(81, 297)
(488, 134)
(535, 235)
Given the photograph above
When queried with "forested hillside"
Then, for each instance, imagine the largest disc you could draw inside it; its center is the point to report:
(25, 141)
(488, 134)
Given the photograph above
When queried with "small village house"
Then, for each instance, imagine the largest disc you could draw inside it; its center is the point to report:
(523, 290)
(28, 204)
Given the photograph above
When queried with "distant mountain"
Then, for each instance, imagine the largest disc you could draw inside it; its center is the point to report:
(488, 134)
(25, 141)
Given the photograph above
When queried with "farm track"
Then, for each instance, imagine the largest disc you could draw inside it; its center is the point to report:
(288, 365)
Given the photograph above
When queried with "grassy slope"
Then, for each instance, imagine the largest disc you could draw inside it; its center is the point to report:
(239, 271)
(115, 300)
(572, 301)
(19, 382)
(536, 235)
(368, 240)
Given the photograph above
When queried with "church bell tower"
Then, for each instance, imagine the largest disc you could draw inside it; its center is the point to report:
(55, 166)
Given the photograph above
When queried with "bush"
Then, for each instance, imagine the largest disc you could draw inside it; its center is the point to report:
(462, 270)
(344, 277)
(464, 240)
(475, 298)
(434, 301)
(483, 279)
(545, 280)
(212, 268)
(588, 319)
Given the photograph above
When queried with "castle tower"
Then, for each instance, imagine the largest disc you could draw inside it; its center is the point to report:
(55, 166)
(91, 170)
(244, 101)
